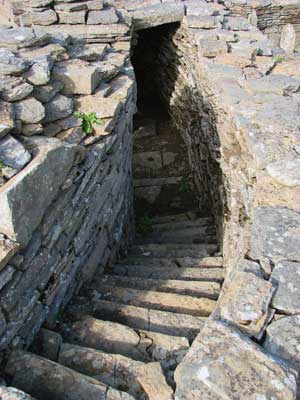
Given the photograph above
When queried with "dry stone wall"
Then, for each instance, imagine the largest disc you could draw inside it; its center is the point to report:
(242, 105)
(65, 195)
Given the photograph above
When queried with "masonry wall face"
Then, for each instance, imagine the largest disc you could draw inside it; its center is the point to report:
(65, 194)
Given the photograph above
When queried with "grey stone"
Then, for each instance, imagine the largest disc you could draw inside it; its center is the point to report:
(29, 110)
(283, 339)
(59, 107)
(237, 24)
(159, 14)
(288, 39)
(17, 38)
(206, 22)
(13, 88)
(107, 16)
(40, 3)
(11, 393)
(224, 364)
(73, 18)
(13, 153)
(31, 129)
(40, 71)
(286, 276)
(6, 117)
(246, 303)
(7, 250)
(44, 175)
(275, 234)
(6, 275)
(10, 64)
(285, 171)
(88, 52)
(46, 93)
(212, 48)
(42, 16)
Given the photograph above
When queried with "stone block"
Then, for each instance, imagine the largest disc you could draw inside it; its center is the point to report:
(155, 15)
(8, 249)
(222, 363)
(17, 38)
(13, 154)
(21, 208)
(286, 276)
(73, 18)
(39, 73)
(46, 93)
(58, 108)
(29, 110)
(106, 17)
(36, 16)
(12, 65)
(14, 88)
(6, 117)
(79, 77)
(275, 234)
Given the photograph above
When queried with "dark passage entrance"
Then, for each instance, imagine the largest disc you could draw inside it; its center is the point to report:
(162, 176)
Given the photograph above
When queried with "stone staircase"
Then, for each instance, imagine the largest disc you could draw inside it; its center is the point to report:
(125, 333)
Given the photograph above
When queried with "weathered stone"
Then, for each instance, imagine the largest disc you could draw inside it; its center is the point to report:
(46, 93)
(73, 18)
(29, 370)
(12, 65)
(286, 276)
(246, 303)
(31, 129)
(206, 22)
(52, 50)
(6, 118)
(39, 72)
(48, 344)
(42, 16)
(275, 234)
(212, 48)
(153, 381)
(288, 39)
(7, 250)
(44, 174)
(72, 135)
(10, 393)
(237, 24)
(13, 88)
(222, 363)
(79, 77)
(106, 17)
(13, 154)
(159, 14)
(17, 38)
(29, 110)
(58, 108)
(88, 52)
(283, 339)
(285, 171)
(6, 275)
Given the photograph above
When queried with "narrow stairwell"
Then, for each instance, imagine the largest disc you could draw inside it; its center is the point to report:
(124, 334)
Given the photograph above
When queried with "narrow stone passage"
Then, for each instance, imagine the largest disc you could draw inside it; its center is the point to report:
(124, 334)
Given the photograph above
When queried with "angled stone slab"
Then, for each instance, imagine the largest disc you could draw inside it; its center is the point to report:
(224, 364)
(246, 303)
(91, 32)
(286, 276)
(25, 197)
(283, 339)
(155, 15)
(275, 234)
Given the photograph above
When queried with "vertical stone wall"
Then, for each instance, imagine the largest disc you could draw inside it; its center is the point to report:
(65, 193)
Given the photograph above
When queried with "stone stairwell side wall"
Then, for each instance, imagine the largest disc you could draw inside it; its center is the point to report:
(65, 196)
(271, 17)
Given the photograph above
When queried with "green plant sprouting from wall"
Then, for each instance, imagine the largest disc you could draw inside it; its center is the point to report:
(88, 121)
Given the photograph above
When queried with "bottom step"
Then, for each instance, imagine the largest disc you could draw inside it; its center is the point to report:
(47, 380)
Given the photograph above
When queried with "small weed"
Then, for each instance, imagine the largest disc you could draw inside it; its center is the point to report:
(184, 186)
(279, 58)
(88, 121)
(144, 224)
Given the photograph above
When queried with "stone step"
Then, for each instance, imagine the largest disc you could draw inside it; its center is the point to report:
(116, 338)
(192, 288)
(203, 225)
(185, 262)
(181, 217)
(117, 371)
(201, 307)
(174, 250)
(175, 324)
(183, 236)
(185, 274)
(48, 380)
